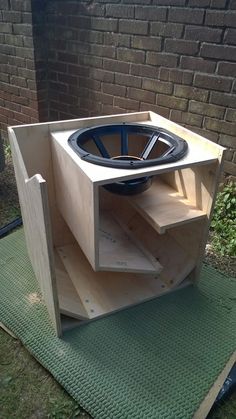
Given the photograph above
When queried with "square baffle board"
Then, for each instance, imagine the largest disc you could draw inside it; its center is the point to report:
(94, 251)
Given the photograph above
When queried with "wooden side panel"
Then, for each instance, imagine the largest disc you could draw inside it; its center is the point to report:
(76, 200)
(36, 219)
(198, 184)
(35, 149)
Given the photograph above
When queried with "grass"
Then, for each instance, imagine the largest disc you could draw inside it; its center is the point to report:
(9, 203)
(27, 390)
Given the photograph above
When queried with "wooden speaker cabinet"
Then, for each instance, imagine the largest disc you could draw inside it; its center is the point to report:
(95, 252)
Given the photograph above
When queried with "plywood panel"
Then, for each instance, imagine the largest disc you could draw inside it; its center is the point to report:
(76, 199)
(35, 213)
(69, 301)
(119, 252)
(105, 292)
(177, 263)
(35, 149)
(164, 208)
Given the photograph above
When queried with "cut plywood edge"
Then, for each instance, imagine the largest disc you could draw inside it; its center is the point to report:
(5, 328)
(118, 252)
(209, 400)
(164, 208)
(106, 292)
(69, 301)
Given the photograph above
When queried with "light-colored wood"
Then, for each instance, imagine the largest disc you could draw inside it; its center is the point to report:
(210, 398)
(118, 252)
(69, 192)
(5, 328)
(164, 208)
(177, 263)
(69, 301)
(76, 200)
(101, 175)
(36, 220)
(35, 149)
(208, 152)
(106, 292)
(176, 260)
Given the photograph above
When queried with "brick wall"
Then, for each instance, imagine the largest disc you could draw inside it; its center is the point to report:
(175, 57)
(18, 92)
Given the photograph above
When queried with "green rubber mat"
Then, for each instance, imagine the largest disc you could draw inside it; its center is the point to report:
(155, 360)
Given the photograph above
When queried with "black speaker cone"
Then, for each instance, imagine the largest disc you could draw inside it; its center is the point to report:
(157, 146)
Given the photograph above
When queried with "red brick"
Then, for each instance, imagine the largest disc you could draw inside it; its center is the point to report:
(138, 27)
(102, 75)
(221, 52)
(162, 59)
(213, 82)
(231, 116)
(218, 4)
(128, 80)
(160, 110)
(22, 117)
(6, 28)
(103, 97)
(21, 5)
(117, 39)
(180, 46)
(206, 109)
(146, 43)
(227, 69)
(172, 102)
(150, 13)
(131, 105)
(117, 10)
(114, 65)
(230, 36)
(157, 86)
(220, 18)
(199, 3)
(186, 15)
(176, 75)
(197, 64)
(90, 61)
(220, 126)
(186, 118)
(143, 70)
(105, 25)
(227, 140)
(169, 2)
(172, 30)
(141, 95)
(199, 33)
(190, 92)
(113, 89)
(103, 50)
(130, 55)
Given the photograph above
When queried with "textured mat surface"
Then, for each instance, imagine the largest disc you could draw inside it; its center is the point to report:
(155, 360)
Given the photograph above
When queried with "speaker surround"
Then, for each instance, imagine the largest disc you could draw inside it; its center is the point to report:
(173, 148)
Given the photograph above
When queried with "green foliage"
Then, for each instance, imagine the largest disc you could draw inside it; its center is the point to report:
(7, 150)
(223, 223)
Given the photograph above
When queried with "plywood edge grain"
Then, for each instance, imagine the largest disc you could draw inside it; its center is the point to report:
(209, 400)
